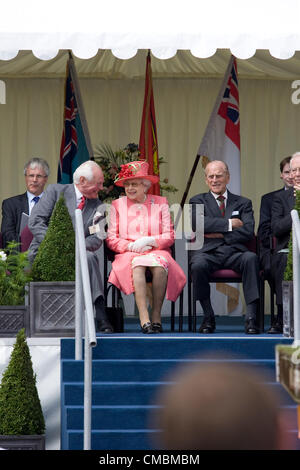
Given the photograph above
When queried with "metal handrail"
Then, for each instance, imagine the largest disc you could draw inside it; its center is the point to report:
(296, 276)
(84, 303)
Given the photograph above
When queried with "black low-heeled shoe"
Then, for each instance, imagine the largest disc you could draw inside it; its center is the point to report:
(251, 328)
(157, 328)
(208, 326)
(103, 327)
(147, 328)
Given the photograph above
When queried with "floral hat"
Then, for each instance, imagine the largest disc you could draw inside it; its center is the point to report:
(134, 170)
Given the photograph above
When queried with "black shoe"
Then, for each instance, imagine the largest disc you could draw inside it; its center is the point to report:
(157, 328)
(275, 329)
(250, 328)
(147, 328)
(208, 325)
(103, 326)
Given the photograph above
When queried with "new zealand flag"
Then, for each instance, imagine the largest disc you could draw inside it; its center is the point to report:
(75, 145)
(68, 148)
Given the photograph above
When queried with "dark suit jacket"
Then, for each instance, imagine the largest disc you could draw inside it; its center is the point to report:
(264, 231)
(12, 209)
(236, 207)
(281, 223)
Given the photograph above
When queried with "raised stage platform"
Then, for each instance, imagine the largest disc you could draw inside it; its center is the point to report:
(135, 364)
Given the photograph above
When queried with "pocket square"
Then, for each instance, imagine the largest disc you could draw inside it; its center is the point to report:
(235, 213)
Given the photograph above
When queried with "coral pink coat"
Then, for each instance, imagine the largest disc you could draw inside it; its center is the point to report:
(130, 221)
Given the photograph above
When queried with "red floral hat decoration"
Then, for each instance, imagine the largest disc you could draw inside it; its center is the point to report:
(135, 170)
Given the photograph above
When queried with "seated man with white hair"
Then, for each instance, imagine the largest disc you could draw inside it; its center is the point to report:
(83, 193)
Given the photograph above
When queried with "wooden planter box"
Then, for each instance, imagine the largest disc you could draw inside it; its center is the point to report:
(11, 442)
(52, 309)
(288, 308)
(12, 319)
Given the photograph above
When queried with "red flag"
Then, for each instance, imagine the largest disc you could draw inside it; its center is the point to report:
(148, 136)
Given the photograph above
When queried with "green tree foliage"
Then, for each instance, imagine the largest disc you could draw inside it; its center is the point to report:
(20, 408)
(288, 273)
(55, 259)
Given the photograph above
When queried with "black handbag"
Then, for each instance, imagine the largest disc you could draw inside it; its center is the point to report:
(116, 315)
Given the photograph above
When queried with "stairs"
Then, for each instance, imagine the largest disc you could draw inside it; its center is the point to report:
(127, 371)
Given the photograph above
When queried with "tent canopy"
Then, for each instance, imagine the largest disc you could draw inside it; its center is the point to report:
(162, 26)
(183, 65)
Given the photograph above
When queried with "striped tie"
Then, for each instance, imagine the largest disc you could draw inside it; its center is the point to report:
(82, 203)
(221, 200)
(36, 199)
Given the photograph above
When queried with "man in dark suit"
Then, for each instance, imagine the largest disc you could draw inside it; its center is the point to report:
(281, 225)
(228, 226)
(36, 173)
(88, 181)
(265, 235)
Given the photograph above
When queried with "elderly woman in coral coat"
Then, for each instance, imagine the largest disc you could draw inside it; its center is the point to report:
(141, 233)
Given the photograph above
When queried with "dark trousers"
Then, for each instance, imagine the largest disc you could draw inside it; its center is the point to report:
(279, 261)
(205, 263)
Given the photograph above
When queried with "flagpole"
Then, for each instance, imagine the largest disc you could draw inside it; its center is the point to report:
(187, 189)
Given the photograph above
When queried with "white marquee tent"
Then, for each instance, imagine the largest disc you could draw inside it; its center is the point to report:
(163, 26)
(191, 42)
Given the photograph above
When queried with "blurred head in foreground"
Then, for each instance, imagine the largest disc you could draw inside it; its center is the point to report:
(218, 406)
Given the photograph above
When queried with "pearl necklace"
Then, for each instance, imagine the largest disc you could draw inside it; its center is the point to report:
(139, 204)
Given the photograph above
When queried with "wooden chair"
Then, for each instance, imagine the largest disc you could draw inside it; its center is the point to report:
(220, 276)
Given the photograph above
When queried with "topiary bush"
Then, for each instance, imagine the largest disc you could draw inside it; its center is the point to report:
(14, 275)
(55, 259)
(20, 408)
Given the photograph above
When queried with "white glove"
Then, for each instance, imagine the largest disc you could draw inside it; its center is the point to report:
(142, 242)
(141, 250)
(146, 248)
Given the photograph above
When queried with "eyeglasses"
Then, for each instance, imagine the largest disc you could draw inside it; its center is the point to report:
(217, 177)
(134, 185)
(38, 177)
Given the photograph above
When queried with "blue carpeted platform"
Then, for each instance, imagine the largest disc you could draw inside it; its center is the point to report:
(129, 367)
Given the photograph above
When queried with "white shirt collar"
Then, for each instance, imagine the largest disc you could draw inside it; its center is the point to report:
(225, 194)
(78, 194)
(30, 196)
